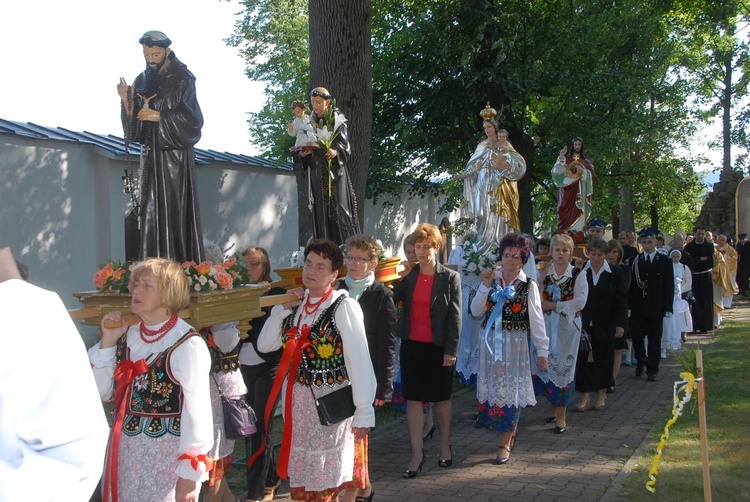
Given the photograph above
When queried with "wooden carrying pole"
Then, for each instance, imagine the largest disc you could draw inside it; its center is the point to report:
(265, 301)
(702, 422)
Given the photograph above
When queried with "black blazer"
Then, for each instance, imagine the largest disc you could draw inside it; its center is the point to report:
(606, 306)
(657, 296)
(256, 325)
(380, 326)
(445, 307)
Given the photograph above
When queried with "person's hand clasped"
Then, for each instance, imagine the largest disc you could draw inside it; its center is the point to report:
(449, 360)
(299, 293)
(619, 332)
(487, 277)
(331, 153)
(542, 363)
(111, 335)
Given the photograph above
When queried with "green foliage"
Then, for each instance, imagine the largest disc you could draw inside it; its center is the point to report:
(611, 72)
(272, 36)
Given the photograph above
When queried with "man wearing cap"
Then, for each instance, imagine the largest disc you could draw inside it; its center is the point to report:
(596, 228)
(743, 263)
(702, 252)
(160, 111)
(650, 299)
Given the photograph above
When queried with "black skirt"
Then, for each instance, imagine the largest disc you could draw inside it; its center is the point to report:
(423, 376)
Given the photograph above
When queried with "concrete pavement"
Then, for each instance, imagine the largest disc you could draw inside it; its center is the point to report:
(582, 464)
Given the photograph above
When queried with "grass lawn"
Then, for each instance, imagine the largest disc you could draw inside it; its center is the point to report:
(727, 371)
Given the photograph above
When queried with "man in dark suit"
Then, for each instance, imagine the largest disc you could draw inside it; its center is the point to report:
(650, 299)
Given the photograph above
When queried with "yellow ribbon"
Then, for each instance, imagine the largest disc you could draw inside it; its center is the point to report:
(688, 385)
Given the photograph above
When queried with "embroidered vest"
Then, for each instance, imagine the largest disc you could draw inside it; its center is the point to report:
(323, 360)
(219, 360)
(515, 311)
(156, 400)
(567, 287)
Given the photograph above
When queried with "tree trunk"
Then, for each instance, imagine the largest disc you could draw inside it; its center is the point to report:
(726, 119)
(525, 210)
(626, 210)
(341, 61)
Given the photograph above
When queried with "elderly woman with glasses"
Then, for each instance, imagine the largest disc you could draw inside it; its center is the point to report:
(511, 305)
(429, 328)
(332, 195)
(376, 300)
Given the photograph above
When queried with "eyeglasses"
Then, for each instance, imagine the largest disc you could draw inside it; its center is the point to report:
(512, 256)
(356, 259)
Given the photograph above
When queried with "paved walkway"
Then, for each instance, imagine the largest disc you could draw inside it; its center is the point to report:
(580, 464)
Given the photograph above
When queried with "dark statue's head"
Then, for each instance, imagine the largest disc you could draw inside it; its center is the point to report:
(155, 50)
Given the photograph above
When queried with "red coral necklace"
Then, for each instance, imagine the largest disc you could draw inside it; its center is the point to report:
(311, 308)
(154, 335)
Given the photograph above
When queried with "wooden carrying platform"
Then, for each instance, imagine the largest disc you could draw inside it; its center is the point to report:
(386, 272)
(207, 308)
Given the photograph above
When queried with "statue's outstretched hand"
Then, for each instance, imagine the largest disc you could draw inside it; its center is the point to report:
(122, 90)
(564, 150)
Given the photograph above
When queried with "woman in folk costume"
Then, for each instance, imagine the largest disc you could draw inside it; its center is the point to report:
(157, 372)
(511, 304)
(564, 292)
(325, 350)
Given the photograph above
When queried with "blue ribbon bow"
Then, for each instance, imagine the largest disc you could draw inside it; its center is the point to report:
(556, 293)
(499, 296)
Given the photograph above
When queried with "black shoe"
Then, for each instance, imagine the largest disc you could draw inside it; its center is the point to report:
(446, 462)
(430, 434)
(550, 420)
(611, 390)
(559, 430)
(360, 498)
(652, 377)
(639, 371)
(413, 474)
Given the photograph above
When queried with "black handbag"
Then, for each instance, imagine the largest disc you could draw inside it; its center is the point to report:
(239, 417)
(336, 406)
(586, 347)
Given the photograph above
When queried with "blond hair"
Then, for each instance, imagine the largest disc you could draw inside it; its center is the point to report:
(171, 283)
(562, 240)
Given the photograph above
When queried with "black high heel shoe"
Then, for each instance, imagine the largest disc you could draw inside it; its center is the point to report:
(446, 462)
(430, 434)
(359, 498)
(413, 474)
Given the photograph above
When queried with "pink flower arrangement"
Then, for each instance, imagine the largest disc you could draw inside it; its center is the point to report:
(209, 276)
